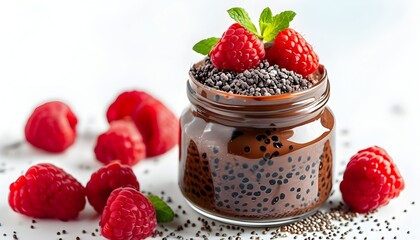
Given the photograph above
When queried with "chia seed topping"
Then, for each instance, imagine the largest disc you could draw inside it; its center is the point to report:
(264, 80)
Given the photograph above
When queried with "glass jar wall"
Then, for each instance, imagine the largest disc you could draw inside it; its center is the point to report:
(257, 161)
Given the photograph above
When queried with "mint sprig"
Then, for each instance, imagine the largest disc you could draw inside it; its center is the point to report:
(164, 213)
(242, 17)
(266, 19)
(279, 23)
(204, 46)
(270, 26)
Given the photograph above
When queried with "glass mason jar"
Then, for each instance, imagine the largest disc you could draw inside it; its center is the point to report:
(257, 161)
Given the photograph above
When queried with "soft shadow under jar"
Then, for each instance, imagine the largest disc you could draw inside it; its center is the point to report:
(257, 161)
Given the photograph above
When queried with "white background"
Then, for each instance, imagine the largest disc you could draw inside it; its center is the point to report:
(87, 52)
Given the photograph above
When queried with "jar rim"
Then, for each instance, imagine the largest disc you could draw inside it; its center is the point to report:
(321, 71)
(281, 110)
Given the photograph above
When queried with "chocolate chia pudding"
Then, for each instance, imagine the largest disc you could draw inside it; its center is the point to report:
(257, 160)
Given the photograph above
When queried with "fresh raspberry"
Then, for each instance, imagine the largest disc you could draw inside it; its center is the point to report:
(46, 191)
(128, 215)
(370, 180)
(51, 127)
(291, 51)
(126, 103)
(121, 142)
(237, 50)
(105, 180)
(158, 126)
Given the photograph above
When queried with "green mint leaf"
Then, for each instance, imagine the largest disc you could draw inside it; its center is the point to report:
(242, 17)
(204, 46)
(280, 22)
(163, 212)
(265, 19)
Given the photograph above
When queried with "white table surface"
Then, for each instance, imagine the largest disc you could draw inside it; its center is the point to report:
(85, 53)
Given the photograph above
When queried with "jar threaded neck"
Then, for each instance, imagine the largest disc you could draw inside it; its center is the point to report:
(278, 110)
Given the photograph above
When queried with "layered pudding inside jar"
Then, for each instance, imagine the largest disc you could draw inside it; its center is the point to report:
(257, 160)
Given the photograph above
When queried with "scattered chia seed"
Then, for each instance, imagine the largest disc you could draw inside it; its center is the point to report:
(344, 131)
(12, 146)
(336, 222)
(84, 167)
(264, 80)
